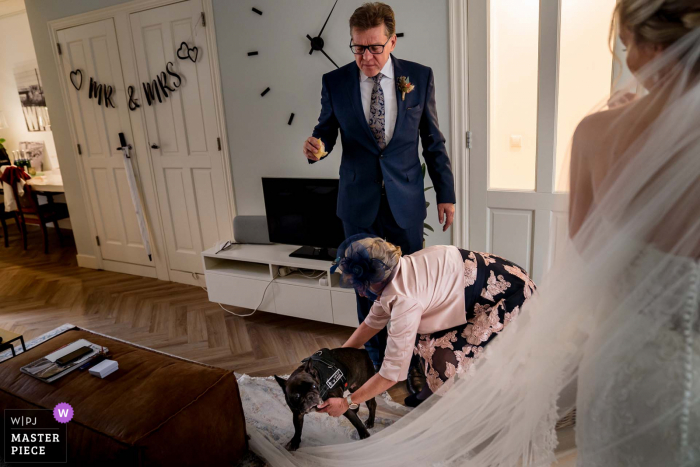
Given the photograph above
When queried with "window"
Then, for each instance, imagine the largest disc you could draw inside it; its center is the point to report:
(585, 72)
(513, 63)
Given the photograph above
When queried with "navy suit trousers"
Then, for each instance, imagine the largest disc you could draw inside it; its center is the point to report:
(410, 240)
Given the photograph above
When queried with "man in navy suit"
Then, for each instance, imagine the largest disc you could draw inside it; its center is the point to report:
(381, 182)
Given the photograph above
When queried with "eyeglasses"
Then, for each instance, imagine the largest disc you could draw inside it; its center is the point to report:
(374, 49)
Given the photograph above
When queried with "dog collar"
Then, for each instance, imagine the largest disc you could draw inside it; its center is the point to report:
(331, 372)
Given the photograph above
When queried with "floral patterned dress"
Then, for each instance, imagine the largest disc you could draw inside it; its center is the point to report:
(495, 291)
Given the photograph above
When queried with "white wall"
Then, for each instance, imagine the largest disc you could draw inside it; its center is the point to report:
(17, 49)
(261, 142)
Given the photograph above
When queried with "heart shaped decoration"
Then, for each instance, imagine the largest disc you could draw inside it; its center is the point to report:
(74, 76)
(192, 54)
(185, 52)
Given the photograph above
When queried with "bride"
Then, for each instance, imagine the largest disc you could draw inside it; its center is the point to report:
(615, 327)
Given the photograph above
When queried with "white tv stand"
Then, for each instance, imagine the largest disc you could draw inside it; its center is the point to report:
(239, 276)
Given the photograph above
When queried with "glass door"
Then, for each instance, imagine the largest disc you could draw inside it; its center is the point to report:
(536, 68)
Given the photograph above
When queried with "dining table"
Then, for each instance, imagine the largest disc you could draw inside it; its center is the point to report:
(49, 181)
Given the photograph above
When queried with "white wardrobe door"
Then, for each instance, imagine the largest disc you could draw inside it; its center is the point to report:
(183, 133)
(92, 48)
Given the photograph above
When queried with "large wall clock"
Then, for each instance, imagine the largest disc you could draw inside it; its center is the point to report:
(316, 43)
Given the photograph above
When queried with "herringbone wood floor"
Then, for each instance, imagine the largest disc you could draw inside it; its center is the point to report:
(40, 292)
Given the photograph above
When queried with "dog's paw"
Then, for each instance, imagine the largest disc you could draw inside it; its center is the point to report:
(292, 445)
(364, 435)
(369, 424)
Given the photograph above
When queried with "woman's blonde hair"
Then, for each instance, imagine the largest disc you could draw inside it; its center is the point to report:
(660, 22)
(380, 249)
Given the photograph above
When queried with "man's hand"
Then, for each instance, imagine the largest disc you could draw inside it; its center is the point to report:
(335, 406)
(449, 209)
(311, 147)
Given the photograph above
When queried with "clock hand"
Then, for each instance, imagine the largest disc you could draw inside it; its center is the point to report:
(317, 42)
(311, 39)
(329, 16)
(329, 58)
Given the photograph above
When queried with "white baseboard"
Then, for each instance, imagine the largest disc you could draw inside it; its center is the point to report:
(187, 278)
(87, 261)
(127, 268)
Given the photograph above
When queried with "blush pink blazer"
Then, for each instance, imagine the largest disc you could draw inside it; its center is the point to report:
(425, 295)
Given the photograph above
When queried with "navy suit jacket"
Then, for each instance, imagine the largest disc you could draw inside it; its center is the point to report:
(364, 165)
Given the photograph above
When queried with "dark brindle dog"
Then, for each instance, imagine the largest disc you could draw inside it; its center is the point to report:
(326, 374)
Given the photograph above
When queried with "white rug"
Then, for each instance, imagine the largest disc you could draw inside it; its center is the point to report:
(266, 409)
(267, 414)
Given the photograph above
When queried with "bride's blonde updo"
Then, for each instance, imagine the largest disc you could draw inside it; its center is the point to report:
(660, 22)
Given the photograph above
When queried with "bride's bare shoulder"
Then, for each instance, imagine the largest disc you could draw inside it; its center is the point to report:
(591, 128)
(597, 129)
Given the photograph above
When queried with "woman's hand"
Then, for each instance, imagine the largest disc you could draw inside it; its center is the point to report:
(335, 406)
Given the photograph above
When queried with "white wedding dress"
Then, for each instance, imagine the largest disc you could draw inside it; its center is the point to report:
(655, 381)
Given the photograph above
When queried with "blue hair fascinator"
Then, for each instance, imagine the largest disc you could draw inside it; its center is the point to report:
(358, 269)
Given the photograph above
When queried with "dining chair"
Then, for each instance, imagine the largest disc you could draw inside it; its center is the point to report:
(4, 216)
(29, 211)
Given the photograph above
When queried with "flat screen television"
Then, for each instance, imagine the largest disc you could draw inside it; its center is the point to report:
(302, 211)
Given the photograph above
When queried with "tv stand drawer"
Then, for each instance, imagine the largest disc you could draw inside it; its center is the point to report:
(344, 308)
(241, 292)
(303, 302)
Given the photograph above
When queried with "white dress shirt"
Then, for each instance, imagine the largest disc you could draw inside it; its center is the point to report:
(390, 104)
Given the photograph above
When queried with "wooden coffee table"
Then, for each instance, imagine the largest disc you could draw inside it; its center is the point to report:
(8, 338)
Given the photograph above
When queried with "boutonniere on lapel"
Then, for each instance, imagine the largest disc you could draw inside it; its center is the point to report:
(405, 86)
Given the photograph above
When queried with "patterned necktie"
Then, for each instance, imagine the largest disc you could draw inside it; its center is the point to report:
(376, 112)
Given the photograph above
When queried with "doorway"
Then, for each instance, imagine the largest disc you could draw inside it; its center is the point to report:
(536, 68)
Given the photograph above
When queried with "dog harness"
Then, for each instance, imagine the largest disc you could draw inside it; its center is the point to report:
(331, 372)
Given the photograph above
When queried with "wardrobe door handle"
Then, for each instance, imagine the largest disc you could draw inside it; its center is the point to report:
(154, 146)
